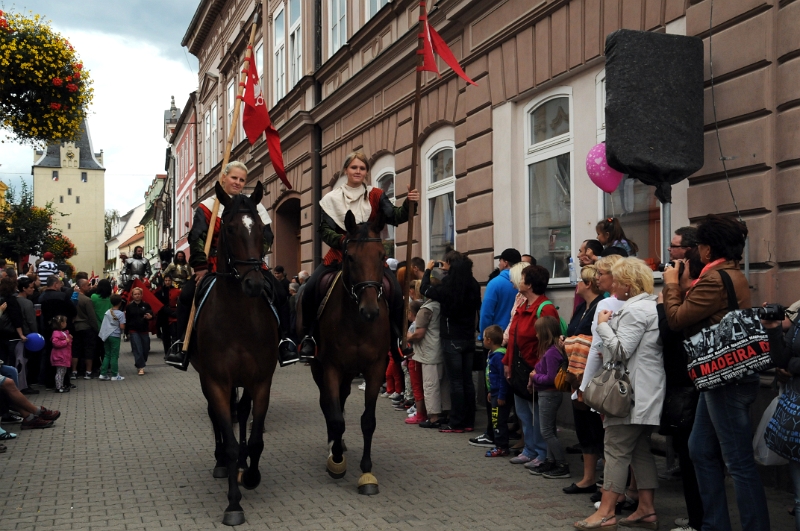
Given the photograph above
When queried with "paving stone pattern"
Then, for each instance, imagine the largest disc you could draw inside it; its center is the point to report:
(138, 454)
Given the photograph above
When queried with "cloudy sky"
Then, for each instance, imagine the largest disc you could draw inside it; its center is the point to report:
(133, 52)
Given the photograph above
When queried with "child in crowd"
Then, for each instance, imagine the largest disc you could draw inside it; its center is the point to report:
(548, 331)
(110, 332)
(415, 368)
(499, 390)
(61, 355)
(610, 234)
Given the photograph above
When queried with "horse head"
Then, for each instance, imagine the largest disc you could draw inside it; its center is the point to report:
(363, 264)
(241, 239)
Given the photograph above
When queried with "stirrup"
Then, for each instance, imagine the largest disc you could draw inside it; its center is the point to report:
(287, 352)
(177, 357)
(308, 349)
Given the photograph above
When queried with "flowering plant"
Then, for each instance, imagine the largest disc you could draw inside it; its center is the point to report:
(44, 90)
(61, 246)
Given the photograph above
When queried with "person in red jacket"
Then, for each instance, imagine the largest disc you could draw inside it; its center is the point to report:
(168, 295)
(522, 339)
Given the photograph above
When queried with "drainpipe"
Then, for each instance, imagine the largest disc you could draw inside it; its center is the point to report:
(316, 159)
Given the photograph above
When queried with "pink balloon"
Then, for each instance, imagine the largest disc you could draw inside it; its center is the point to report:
(604, 176)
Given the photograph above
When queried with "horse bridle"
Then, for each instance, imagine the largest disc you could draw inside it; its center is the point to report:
(355, 290)
(254, 264)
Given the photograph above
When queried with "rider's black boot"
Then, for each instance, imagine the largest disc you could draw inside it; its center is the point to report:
(177, 357)
(308, 349)
(287, 352)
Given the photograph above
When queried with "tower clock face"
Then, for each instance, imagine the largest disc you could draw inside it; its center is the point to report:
(70, 155)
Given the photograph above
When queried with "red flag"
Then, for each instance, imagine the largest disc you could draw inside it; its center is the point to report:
(255, 121)
(433, 43)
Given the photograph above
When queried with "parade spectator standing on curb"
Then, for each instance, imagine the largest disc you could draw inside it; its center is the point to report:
(54, 302)
(137, 318)
(498, 301)
(111, 332)
(499, 392)
(61, 354)
(25, 288)
(685, 238)
(11, 321)
(47, 267)
(86, 329)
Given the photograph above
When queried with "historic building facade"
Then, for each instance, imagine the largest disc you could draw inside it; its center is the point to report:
(183, 149)
(501, 164)
(72, 176)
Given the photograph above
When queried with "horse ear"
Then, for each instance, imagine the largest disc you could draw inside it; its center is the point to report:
(223, 197)
(350, 222)
(257, 194)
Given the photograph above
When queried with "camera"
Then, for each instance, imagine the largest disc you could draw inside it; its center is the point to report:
(771, 312)
(673, 263)
(437, 264)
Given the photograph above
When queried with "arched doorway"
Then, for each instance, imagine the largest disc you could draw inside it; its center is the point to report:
(287, 235)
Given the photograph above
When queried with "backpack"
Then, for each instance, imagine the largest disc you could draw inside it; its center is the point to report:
(564, 324)
(563, 380)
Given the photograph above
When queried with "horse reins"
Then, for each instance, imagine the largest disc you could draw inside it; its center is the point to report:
(356, 290)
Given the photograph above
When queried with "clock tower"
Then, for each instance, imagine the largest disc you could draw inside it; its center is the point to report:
(72, 176)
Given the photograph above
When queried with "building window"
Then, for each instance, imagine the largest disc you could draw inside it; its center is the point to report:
(373, 6)
(440, 188)
(231, 92)
(184, 166)
(78, 199)
(69, 226)
(549, 161)
(84, 177)
(207, 144)
(338, 24)
(214, 129)
(69, 191)
(633, 202)
(280, 55)
(295, 43)
(55, 175)
(61, 199)
(386, 183)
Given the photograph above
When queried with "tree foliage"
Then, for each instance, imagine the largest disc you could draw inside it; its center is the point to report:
(24, 228)
(44, 89)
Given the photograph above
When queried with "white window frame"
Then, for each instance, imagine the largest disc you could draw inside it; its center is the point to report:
(335, 20)
(279, 56)
(214, 134)
(437, 189)
(368, 8)
(207, 143)
(230, 93)
(385, 166)
(548, 149)
(295, 49)
(189, 147)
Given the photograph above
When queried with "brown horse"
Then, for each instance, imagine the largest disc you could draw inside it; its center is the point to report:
(236, 345)
(354, 338)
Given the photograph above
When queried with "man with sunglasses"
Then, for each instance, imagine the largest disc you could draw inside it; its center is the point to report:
(684, 239)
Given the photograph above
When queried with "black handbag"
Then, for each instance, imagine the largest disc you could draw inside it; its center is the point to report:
(677, 413)
(520, 372)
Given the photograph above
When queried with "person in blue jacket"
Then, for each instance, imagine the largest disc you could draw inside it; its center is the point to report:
(499, 390)
(498, 301)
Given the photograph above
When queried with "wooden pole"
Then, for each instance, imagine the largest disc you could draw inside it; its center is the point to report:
(414, 163)
(225, 160)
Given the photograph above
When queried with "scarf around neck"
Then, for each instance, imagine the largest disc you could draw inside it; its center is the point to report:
(338, 201)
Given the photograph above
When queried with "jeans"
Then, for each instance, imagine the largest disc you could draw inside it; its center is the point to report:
(549, 402)
(722, 436)
(458, 362)
(794, 471)
(528, 415)
(140, 344)
(10, 372)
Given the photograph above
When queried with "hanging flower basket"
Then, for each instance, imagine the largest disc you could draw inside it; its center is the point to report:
(44, 89)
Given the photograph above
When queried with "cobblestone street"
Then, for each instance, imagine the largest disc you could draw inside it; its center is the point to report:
(138, 454)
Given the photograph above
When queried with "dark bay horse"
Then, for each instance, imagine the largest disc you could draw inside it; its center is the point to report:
(236, 345)
(354, 338)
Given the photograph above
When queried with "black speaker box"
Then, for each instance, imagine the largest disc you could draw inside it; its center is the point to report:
(654, 107)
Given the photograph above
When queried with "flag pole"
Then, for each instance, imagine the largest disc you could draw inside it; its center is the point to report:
(414, 163)
(225, 159)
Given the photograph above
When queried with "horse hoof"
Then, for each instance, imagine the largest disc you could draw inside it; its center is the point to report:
(220, 472)
(368, 485)
(336, 470)
(251, 479)
(233, 518)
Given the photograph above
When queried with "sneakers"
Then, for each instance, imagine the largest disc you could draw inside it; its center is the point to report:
(561, 470)
(530, 465)
(412, 411)
(446, 428)
(686, 527)
(63, 390)
(416, 419)
(394, 396)
(74, 375)
(103, 377)
(547, 466)
(681, 522)
(382, 395)
(497, 452)
(483, 441)
(49, 414)
(521, 459)
(87, 376)
(117, 378)
(10, 418)
(36, 423)
(363, 386)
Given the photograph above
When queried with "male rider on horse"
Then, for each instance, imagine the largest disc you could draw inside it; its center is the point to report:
(234, 177)
(365, 202)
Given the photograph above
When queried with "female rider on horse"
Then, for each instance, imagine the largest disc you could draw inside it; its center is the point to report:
(234, 177)
(365, 202)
